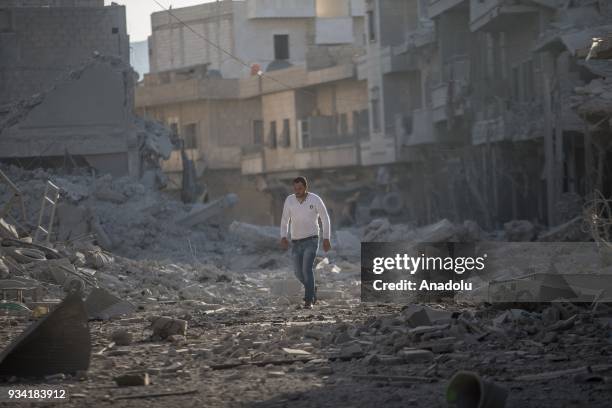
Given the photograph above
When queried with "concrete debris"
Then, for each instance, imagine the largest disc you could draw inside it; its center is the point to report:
(256, 236)
(202, 212)
(570, 231)
(122, 337)
(519, 231)
(164, 327)
(102, 305)
(381, 230)
(135, 379)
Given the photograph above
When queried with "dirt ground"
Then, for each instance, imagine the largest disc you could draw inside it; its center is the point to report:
(223, 360)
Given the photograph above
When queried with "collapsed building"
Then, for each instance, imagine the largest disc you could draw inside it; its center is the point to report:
(66, 89)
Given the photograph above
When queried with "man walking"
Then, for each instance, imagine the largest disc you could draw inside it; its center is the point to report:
(304, 209)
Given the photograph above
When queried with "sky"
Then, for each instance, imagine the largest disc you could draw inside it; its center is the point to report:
(139, 14)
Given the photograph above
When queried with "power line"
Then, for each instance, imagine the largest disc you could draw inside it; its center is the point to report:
(239, 60)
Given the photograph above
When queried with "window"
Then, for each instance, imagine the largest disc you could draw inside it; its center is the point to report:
(272, 142)
(286, 136)
(6, 21)
(375, 115)
(258, 132)
(190, 136)
(361, 123)
(375, 108)
(343, 124)
(281, 47)
(303, 134)
(371, 26)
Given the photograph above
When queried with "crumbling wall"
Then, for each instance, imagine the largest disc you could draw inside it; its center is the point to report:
(86, 113)
(43, 42)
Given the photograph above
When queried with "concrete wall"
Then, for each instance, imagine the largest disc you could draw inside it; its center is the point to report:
(255, 37)
(88, 116)
(52, 3)
(253, 206)
(396, 17)
(277, 107)
(175, 46)
(222, 127)
(280, 8)
(44, 42)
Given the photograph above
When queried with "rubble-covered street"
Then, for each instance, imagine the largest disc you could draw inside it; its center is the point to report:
(306, 203)
(212, 318)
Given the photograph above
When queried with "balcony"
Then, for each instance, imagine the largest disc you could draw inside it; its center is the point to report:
(489, 131)
(422, 131)
(331, 156)
(281, 8)
(252, 162)
(397, 60)
(497, 15)
(522, 121)
(437, 7)
(447, 98)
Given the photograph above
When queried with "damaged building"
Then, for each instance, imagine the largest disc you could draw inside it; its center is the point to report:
(67, 88)
(461, 147)
(287, 102)
(423, 109)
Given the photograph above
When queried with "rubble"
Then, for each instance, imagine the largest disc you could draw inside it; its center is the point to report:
(519, 231)
(163, 327)
(58, 343)
(132, 379)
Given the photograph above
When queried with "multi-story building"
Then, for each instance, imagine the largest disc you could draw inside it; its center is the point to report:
(464, 108)
(259, 91)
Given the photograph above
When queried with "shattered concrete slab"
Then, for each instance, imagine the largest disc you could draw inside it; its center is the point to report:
(102, 305)
(58, 343)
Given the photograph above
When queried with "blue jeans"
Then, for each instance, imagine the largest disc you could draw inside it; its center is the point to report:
(304, 252)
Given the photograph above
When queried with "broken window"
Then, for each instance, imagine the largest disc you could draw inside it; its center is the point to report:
(272, 142)
(258, 132)
(281, 46)
(371, 26)
(6, 21)
(190, 136)
(286, 135)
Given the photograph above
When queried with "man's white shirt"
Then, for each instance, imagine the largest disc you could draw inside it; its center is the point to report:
(304, 217)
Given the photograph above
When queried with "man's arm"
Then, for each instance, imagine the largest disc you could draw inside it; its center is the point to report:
(322, 211)
(284, 227)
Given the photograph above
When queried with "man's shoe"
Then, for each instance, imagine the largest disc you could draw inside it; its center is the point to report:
(307, 305)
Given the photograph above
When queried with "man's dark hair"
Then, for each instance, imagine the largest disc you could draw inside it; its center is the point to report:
(302, 180)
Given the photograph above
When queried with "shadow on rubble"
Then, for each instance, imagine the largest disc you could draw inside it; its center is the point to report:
(359, 394)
